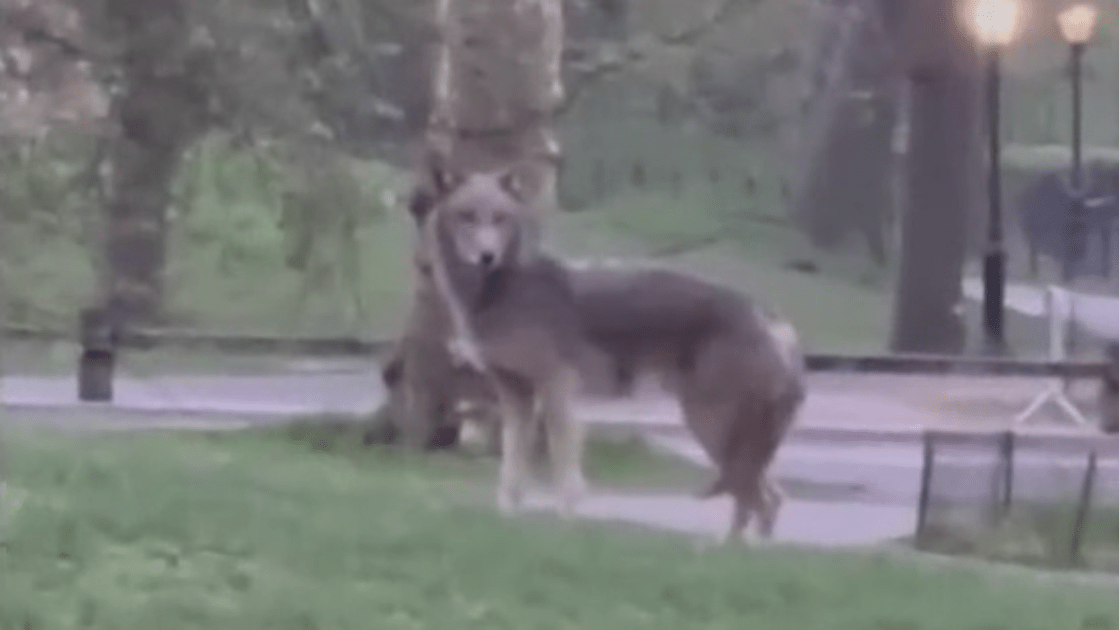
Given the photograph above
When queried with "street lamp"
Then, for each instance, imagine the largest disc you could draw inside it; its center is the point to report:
(995, 23)
(1077, 24)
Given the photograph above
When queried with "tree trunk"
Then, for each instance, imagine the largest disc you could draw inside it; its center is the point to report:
(162, 109)
(939, 188)
(843, 174)
(136, 239)
(496, 86)
(863, 170)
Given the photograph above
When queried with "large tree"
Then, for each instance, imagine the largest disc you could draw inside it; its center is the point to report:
(45, 84)
(842, 172)
(44, 80)
(942, 70)
(297, 72)
(496, 87)
(502, 71)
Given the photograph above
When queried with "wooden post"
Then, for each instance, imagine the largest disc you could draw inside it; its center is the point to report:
(1109, 391)
(1083, 509)
(1006, 455)
(928, 461)
(98, 357)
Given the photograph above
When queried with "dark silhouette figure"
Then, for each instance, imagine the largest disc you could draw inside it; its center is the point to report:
(1046, 207)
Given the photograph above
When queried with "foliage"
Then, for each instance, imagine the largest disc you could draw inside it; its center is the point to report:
(322, 258)
(312, 241)
(182, 531)
(42, 84)
(238, 260)
(238, 264)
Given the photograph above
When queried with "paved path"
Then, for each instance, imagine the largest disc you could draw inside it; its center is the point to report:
(276, 395)
(838, 407)
(858, 441)
(851, 468)
(890, 474)
(1098, 314)
(829, 524)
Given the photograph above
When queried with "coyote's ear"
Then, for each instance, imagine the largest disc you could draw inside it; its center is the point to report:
(444, 179)
(513, 181)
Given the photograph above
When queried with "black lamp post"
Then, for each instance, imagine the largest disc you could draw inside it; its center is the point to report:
(994, 22)
(1077, 24)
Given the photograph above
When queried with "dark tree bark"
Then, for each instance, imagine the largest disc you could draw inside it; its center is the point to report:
(161, 110)
(939, 182)
(863, 170)
(843, 175)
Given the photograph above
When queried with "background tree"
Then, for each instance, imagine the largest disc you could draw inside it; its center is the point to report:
(496, 84)
(675, 126)
(175, 72)
(942, 70)
(844, 164)
(44, 84)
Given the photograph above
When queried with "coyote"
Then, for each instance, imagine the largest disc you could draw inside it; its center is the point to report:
(540, 329)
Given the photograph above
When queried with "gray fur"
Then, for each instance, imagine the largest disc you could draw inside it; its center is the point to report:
(513, 319)
(736, 369)
(535, 323)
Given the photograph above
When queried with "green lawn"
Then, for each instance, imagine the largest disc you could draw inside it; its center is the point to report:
(835, 309)
(60, 358)
(176, 531)
(844, 307)
(238, 264)
(1036, 535)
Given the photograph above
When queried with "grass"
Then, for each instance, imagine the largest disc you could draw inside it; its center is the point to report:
(1036, 535)
(176, 531)
(231, 245)
(614, 462)
(60, 358)
(844, 307)
(229, 270)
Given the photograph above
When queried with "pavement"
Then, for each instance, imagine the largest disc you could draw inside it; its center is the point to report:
(843, 408)
(1096, 313)
(890, 474)
(851, 467)
(818, 523)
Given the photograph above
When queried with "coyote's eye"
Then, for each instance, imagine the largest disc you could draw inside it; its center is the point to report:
(468, 216)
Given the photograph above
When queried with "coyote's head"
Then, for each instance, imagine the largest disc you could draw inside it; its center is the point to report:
(477, 219)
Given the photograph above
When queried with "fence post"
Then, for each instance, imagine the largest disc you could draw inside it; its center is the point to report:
(1109, 391)
(1006, 447)
(927, 462)
(1083, 509)
(96, 362)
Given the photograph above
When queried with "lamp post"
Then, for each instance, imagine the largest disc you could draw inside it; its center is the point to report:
(995, 23)
(1077, 24)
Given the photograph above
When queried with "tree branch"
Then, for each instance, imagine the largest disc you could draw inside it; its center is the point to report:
(35, 28)
(618, 61)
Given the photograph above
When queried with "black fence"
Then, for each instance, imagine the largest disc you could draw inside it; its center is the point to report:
(1006, 497)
